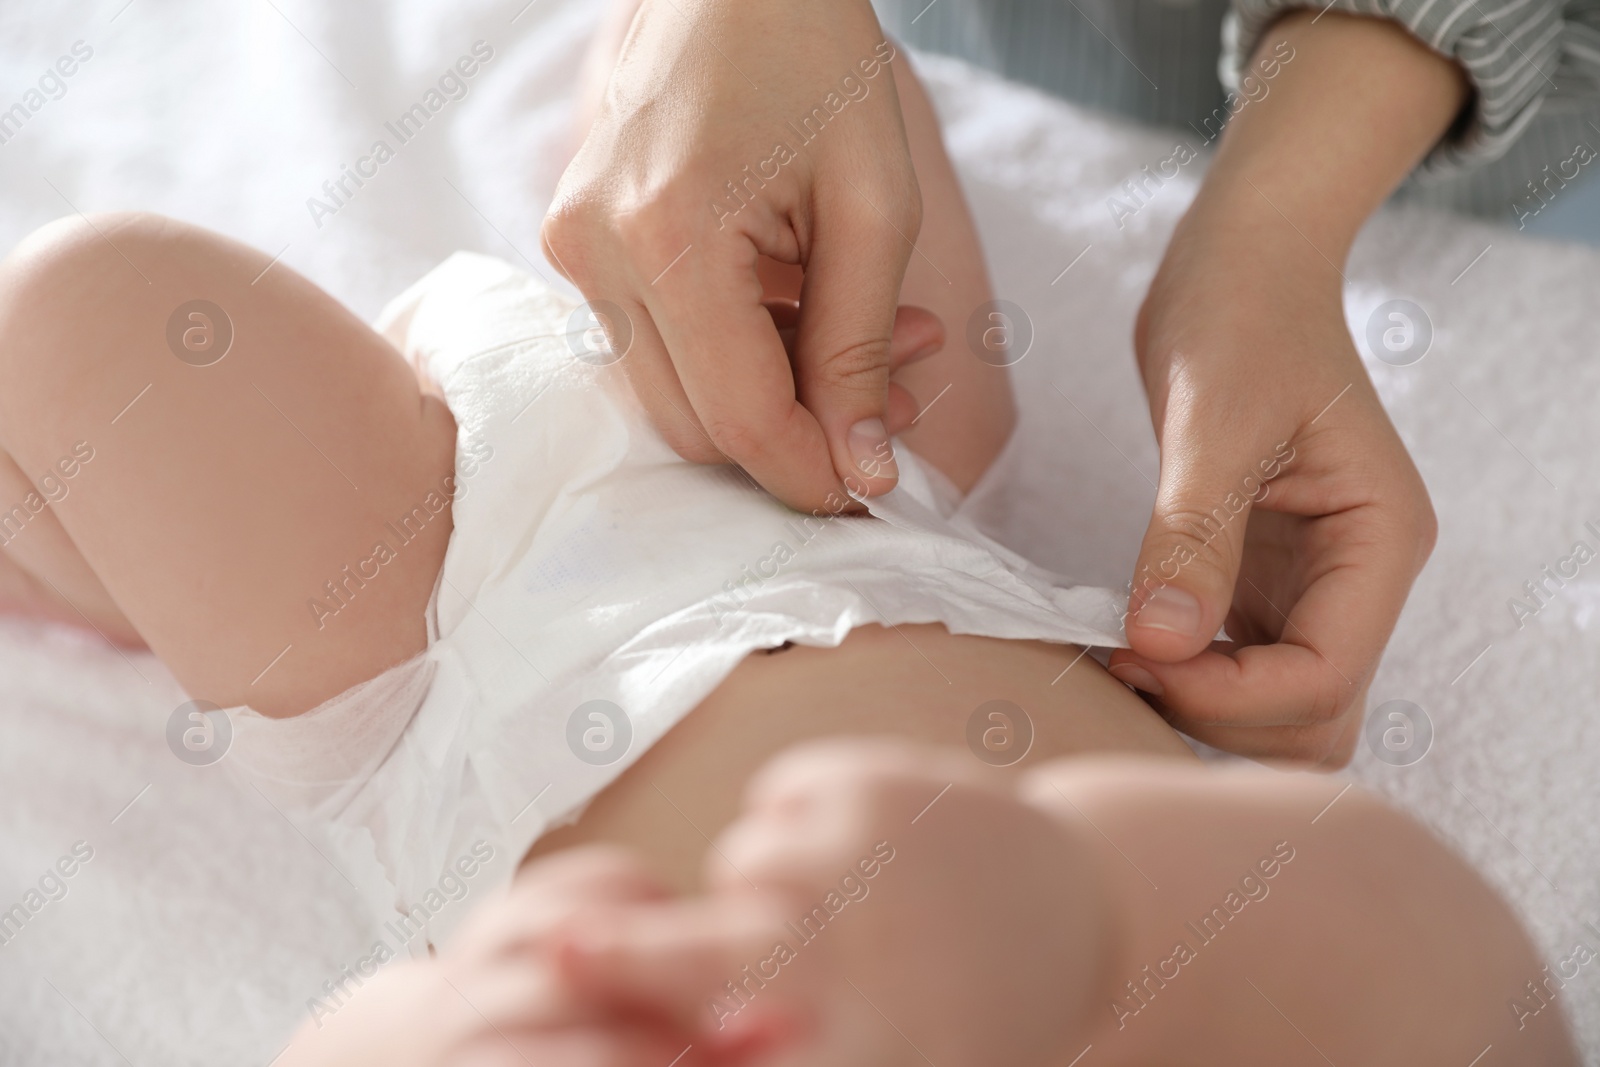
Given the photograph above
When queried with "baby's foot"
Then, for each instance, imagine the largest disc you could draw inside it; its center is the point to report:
(882, 904)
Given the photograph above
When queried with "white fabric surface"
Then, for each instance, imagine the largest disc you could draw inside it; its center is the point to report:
(205, 921)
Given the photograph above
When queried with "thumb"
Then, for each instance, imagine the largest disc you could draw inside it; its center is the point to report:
(1189, 561)
(847, 315)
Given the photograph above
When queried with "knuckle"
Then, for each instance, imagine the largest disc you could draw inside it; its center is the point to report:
(897, 190)
(1427, 532)
(1197, 526)
(652, 229)
(557, 232)
(686, 438)
(1330, 701)
(694, 448)
(906, 202)
(739, 440)
(560, 222)
(1337, 758)
(569, 230)
(862, 366)
(674, 420)
(1327, 747)
(887, 193)
(1192, 538)
(1313, 746)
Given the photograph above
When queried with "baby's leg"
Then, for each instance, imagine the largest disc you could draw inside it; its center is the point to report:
(1294, 924)
(1156, 912)
(227, 514)
(965, 429)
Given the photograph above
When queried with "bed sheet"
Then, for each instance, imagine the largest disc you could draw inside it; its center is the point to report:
(203, 923)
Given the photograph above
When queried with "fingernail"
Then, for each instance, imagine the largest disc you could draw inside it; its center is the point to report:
(870, 449)
(1170, 609)
(1138, 677)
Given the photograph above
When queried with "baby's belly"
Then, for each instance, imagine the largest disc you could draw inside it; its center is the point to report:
(918, 682)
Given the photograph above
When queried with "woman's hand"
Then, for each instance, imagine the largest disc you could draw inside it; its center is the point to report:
(1288, 507)
(732, 130)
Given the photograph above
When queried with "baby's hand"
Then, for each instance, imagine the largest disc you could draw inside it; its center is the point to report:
(891, 906)
(493, 998)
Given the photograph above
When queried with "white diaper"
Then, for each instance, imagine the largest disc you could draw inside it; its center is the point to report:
(595, 590)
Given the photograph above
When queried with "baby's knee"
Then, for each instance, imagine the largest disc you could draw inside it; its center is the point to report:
(67, 271)
(84, 264)
(79, 249)
(66, 291)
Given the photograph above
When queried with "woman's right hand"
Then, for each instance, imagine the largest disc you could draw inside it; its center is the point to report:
(728, 131)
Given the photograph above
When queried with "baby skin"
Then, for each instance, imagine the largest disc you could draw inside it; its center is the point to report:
(956, 412)
(231, 480)
(883, 904)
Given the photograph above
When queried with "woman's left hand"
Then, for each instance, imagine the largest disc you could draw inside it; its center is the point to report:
(1288, 509)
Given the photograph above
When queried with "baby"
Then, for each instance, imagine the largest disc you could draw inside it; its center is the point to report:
(452, 586)
(883, 904)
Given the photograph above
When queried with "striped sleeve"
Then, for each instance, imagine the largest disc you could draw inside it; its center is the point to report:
(1521, 55)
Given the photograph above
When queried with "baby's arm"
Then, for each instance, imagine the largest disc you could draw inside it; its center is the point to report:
(997, 930)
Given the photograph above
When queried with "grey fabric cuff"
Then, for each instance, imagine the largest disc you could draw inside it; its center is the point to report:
(1514, 52)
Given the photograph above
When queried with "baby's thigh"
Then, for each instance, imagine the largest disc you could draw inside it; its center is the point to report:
(967, 409)
(260, 483)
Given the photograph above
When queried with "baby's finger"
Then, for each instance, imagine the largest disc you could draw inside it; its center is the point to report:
(808, 774)
(827, 811)
(613, 1045)
(670, 959)
(550, 891)
(798, 855)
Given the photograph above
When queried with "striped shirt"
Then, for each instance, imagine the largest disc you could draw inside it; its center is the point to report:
(1530, 128)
